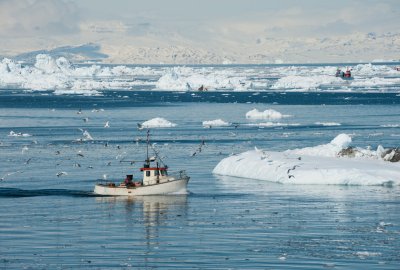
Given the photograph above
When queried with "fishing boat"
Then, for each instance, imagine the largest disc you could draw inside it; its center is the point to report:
(344, 75)
(156, 180)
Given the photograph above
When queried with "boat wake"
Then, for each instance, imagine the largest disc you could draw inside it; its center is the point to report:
(17, 192)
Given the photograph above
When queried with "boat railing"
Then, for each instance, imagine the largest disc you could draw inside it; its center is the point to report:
(177, 174)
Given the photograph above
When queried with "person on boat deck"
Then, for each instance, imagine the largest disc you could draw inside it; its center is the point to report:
(128, 180)
(347, 74)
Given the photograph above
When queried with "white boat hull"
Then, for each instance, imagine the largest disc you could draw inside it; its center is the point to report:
(169, 187)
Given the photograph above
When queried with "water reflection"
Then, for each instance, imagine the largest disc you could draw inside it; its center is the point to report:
(147, 215)
(328, 192)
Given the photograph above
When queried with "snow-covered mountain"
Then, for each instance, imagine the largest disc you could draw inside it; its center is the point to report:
(358, 47)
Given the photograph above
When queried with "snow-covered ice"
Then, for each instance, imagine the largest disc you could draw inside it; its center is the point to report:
(157, 122)
(18, 134)
(328, 124)
(185, 78)
(321, 165)
(272, 124)
(267, 114)
(60, 75)
(216, 123)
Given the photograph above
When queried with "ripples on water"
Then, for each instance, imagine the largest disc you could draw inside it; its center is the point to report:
(50, 222)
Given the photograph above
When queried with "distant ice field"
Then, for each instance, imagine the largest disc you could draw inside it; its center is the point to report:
(54, 148)
(62, 77)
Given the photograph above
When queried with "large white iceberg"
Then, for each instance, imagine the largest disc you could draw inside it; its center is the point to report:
(157, 122)
(320, 165)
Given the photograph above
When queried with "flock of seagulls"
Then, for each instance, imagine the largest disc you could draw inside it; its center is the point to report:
(264, 155)
(199, 148)
(86, 136)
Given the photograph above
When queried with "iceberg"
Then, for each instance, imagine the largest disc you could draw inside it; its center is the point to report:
(326, 164)
(188, 79)
(157, 122)
(60, 75)
(267, 114)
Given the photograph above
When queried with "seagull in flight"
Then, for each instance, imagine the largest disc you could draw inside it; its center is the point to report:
(61, 174)
(8, 174)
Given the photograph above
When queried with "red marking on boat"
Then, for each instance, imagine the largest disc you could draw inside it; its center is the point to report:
(153, 169)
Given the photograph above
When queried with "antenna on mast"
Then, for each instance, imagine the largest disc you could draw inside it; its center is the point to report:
(147, 148)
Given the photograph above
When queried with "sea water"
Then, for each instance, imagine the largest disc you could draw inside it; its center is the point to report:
(56, 222)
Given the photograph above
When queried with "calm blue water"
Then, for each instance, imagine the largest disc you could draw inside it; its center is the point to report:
(50, 222)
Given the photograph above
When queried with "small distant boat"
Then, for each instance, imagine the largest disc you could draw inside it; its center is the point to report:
(156, 180)
(346, 75)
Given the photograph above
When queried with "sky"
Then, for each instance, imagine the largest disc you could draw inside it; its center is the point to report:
(217, 23)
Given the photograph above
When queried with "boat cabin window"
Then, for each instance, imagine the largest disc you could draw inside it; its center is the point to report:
(147, 173)
(163, 173)
(156, 173)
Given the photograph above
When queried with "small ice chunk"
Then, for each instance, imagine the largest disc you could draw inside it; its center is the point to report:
(157, 122)
(215, 123)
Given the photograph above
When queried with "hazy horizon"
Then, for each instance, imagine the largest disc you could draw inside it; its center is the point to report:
(234, 31)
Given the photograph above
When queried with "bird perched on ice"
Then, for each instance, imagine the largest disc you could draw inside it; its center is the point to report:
(262, 152)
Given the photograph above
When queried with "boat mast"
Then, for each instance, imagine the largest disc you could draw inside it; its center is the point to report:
(147, 148)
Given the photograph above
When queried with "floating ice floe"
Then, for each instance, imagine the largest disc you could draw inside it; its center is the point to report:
(84, 92)
(267, 114)
(327, 164)
(18, 134)
(59, 74)
(187, 79)
(157, 122)
(273, 124)
(375, 81)
(305, 83)
(327, 124)
(391, 125)
(216, 123)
